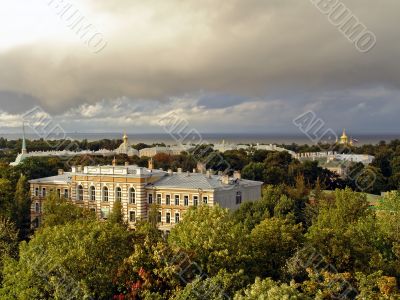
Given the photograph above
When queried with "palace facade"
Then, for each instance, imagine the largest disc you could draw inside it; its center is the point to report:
(98, 187)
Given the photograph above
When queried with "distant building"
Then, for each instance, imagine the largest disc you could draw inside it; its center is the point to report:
(170, 150)
(332, 155)
(125, 148)
(98, 188)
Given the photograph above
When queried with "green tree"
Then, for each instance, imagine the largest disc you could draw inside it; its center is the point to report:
(376, 286)
(253, 171)
(22, 207)
(212, 238)
(8, 241)
(154, 269)
(220, 287)
(271, 290)
(345, 232)
(252, 213)
(77, 260)
(272, 242)
(116, 216)
(59, 211)
(6, 198)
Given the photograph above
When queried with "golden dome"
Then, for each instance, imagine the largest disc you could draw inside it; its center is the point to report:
(344, 136)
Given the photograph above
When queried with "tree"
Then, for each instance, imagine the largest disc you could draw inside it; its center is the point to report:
(220, 287)
(58, 211)
(345, 232)
(272, 242)
(6, 198)
(376, 286)
(116, 216)
(252, 213)
(271, 290)
(154, 270)
(212, 238)
(8, 241)
(22, 207)
(76, 261)
(253, 171)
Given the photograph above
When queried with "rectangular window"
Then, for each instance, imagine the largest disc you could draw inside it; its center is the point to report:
(43, 192)
(168, 218)
(159, 217)
(66, 194)
(58, 193)
(159, 199)
(205, 200)
(195, 200)
(186, 200)
(37, 192)
(238, 197)
(168, 199)
(150, 198)
(132, 216)
(177, 218)
(37, 208)
(176, 199)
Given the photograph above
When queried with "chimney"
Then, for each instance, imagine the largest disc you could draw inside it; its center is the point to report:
(151, 164)
(201, 168)
(179, 170)
(194, 170)
(114, 162)
(225, 179)
(237, 175)
(126, 163)
(79, 169)
(169, 172)
(60, 172)
(208, 174)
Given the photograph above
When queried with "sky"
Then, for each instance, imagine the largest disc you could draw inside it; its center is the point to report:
(224, 66)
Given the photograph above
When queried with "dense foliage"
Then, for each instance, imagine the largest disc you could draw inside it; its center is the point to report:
(287, 245)
(264, 250)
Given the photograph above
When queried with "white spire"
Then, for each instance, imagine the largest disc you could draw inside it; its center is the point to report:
(23, 150)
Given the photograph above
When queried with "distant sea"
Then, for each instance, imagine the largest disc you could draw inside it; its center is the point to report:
(236, 138)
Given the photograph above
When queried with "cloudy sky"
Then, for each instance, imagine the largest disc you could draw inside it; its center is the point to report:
(225, 66)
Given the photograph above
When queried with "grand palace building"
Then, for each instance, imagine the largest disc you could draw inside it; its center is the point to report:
(97, 188)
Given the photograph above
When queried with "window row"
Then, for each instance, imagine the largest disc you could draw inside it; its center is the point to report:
(105, 194)
(177, 200)
(43, 192)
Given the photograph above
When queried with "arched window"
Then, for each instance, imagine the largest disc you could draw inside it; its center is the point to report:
(118, 194)
(92, 193)
(79, 193)
(177, 218)
(132, 196)
(37, 207)
(105, 194)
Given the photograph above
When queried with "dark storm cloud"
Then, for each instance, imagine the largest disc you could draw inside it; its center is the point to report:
(16, 103)
(227, 52)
